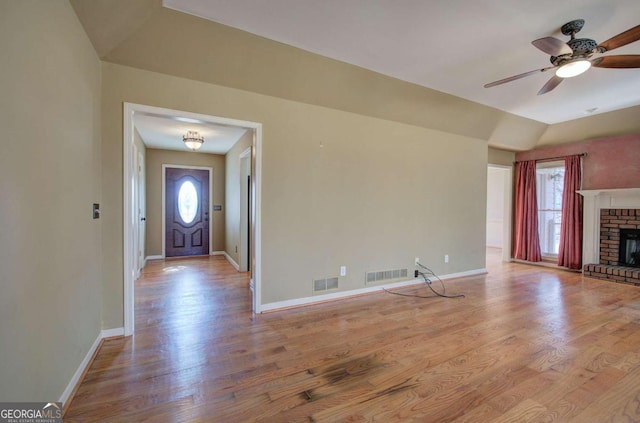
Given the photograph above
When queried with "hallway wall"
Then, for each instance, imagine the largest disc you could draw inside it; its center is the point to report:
(50, 174)
(233, 190)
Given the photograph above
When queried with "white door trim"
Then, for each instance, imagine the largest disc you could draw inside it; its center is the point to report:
(243, 232)
(164, 212)
(130, 227)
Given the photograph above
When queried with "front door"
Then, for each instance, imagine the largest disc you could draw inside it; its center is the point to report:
(187, 212)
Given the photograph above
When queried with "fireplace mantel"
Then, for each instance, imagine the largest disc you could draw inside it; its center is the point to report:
(613, 193)
(594, 201)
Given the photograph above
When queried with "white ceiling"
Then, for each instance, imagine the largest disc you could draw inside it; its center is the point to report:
(454, 46)
(166, 133)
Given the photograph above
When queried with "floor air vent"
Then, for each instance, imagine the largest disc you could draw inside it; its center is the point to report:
(385, 275)
(320, 285)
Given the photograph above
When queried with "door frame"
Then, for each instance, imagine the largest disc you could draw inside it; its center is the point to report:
(130, 224)
(243, 232)
(164, 204)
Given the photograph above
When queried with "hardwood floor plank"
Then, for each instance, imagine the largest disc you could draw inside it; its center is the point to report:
(619, 403)
(526, 344)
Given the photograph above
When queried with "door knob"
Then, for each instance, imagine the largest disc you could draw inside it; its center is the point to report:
(143, 219)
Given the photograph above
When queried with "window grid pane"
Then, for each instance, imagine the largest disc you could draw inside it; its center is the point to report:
(550, 185)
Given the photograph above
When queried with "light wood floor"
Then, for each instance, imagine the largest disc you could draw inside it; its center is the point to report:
(526, 344)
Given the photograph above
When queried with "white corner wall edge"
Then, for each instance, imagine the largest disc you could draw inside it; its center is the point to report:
(232, 261)
(297, 302)
(86, 362)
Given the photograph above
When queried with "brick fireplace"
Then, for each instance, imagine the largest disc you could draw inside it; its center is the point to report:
(608, 214)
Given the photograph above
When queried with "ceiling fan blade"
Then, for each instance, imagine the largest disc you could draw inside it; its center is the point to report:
(552, 46)
(620, 61)
(621, 39)
(551, 84)
(513, 78)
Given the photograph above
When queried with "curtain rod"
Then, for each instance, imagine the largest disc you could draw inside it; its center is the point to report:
(549, 159)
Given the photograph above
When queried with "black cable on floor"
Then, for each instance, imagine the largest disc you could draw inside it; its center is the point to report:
(427, 281)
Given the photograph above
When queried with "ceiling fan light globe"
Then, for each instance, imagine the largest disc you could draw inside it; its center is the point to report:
(571, 69)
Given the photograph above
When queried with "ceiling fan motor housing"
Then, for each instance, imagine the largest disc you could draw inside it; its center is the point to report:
(582, 45)
(582, 48)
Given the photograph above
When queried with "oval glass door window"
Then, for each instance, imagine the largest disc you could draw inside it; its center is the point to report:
(187, 201)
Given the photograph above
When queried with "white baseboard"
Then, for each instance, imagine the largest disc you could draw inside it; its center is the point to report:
(86, 361)
(473, 272)
(110, 333)
(156, 257)
(217, 253)
(297, 302)
(232, 261)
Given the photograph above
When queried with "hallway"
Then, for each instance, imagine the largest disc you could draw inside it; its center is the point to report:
(188, 311)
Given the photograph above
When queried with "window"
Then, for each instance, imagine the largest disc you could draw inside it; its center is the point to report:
(187, 201)
(550, 184)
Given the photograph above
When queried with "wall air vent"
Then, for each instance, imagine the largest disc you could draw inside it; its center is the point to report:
(327, 284)
(380, 276)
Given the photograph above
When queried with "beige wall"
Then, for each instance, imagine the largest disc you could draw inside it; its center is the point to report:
(374, 196)
(619, 122)
(501, 157)
(155, 159)
(50, 263)
(233, 190)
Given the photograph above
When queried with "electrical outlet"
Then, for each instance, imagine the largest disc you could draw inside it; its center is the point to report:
(417, 261)
(446, 258)
(343, 270)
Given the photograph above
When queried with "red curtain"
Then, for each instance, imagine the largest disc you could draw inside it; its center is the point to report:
(527, 241)
(570, 251)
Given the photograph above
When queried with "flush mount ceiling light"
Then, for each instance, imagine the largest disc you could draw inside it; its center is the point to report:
(571, 69)
(193, 140)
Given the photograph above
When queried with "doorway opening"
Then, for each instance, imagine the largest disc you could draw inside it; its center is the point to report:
(131, 224)
(139, 209)
(499, 212)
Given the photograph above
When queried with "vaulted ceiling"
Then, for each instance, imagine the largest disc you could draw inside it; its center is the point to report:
(455, 46)
(443, 53)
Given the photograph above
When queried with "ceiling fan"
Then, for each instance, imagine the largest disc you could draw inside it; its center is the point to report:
(574, 57)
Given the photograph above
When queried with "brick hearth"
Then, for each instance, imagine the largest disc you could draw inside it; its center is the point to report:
(628, 275)
(611, 221)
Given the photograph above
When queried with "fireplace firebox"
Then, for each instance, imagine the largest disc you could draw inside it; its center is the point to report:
(629, 254)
